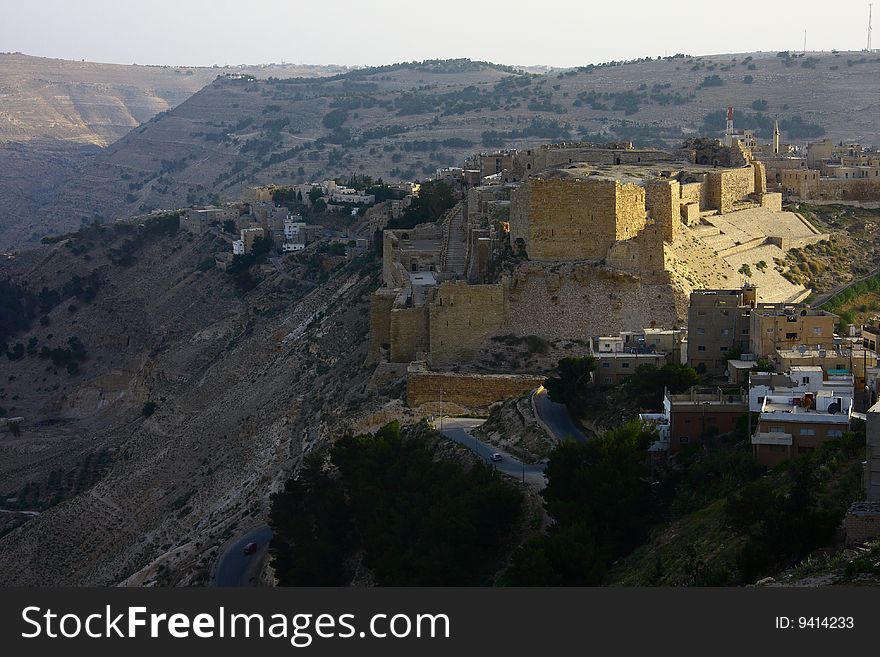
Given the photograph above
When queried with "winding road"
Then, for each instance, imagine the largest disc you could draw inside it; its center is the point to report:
(235, 568)
(555, 418)
(458, 429)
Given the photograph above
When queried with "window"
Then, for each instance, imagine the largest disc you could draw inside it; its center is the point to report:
(808, 432)
(625, 366)
(791, 336)
(723, 348)
(701, 331)
(817, 330)
(605, 363)
(607, 379)
(777, 429)
(682, 440)
(701, 347)
(725, 331)
(834, 433)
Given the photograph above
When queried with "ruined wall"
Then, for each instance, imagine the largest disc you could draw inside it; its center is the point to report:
(860, 189)
(461, 317)
(381, 302)
(390, 275)
(772, 200)
(760, 177)
(536, 160)
(727, 186)
(408, 333)
(469, 390)
(571, 219)
(694, 192)
(580, 300)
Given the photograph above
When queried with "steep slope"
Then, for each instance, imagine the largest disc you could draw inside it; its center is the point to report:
(238, 387)
(57, 113)
(94, 103)
(404, 121)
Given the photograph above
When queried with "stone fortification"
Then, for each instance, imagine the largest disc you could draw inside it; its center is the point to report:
(474, 391)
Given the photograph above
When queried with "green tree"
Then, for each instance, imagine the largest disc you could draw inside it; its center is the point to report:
(570, 387)
(648, 382)
(599, 497)
(435, 197)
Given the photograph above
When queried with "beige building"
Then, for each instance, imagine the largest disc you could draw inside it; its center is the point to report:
(197, 220)
(834, 360)
(774, 327)
(718, 327)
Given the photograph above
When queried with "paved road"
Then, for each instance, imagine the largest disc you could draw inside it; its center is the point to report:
(235, 568)
(457, 429)
(556, 418)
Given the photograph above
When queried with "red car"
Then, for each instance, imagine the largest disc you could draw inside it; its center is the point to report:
(250, 548)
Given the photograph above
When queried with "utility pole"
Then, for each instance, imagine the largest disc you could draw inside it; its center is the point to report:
(870, 11)
(441, 411)
(805, 41)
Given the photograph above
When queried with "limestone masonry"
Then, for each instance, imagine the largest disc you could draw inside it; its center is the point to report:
(575, 241)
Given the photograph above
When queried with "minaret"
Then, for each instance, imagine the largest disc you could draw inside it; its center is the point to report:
(728, 133)
(775, 137)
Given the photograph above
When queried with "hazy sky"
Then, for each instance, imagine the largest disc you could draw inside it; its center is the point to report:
(553, 32)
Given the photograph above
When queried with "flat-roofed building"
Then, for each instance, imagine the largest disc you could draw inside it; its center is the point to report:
(798, 423)
(718, 327)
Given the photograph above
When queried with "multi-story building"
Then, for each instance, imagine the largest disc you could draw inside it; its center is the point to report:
(619, 356)
(797, 423)
(799, 380)
(197, 220)
(835, 360)
(774, 327)
(699, 412)
(718, 327)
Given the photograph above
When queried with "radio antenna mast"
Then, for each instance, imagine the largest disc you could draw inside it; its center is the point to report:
(870, 11)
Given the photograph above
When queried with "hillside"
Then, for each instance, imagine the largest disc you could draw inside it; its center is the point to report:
(161, 405)
(57, 113)
(94, 103)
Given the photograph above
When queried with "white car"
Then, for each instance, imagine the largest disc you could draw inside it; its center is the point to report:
(495, 457)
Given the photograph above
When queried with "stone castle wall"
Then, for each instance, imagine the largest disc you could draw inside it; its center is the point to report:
(531, 161)
(408, 332)
(580, 300)
(468, 390)
(570, 219)
(381, 302)
(859, 189)
(461, 317)
(727, 186)
(663, 198)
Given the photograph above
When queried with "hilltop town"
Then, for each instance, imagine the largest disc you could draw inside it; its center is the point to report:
(696, 295)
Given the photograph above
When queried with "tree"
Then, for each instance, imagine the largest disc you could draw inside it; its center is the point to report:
(315, 193)
(648, 382)
(570, 387)
(435, 197)
(599, 497)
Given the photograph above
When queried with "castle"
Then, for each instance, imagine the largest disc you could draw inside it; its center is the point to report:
(572, 241)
